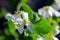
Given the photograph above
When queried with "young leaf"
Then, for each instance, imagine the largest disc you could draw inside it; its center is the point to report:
(42, 27)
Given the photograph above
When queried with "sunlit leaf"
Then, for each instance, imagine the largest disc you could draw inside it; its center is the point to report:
(29, 35)
(52, 22)
(42, 27)
(11, 25)
(48, 36)
(24, 1)
(58, 19)
(34, 36)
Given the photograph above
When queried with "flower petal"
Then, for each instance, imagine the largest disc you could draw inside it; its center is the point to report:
(20, 29)
(57, 14)
(54, 38)
(56, 7)
(50, 13)
(10, 17)
(25, 15)
(57, 30)
(19, 20)
(41, 38)
(43, 12)
(29, 28)
(40, 11)
(17, 16)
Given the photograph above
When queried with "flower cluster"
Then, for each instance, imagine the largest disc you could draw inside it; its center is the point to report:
(20, 20)
(48, 11)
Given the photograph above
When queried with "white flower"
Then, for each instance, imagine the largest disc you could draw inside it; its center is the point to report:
(41, 38)
(29, 28)
(20, 29)
(43, 12)
(49, 12)
(57, 1)
(56, 30)
(17, 16)
(53, 12)
(54, 38)
(57, 14)
(25, 15)
(40, 11)
(19, 21)
(56, 7)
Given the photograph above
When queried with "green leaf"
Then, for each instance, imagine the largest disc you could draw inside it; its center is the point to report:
(27, 9)
(48, 36)
(42, 27)
(58, 19)
(2, 37)
(53, 23)
(19, 6)
(24, 1)
(12, 29)
(30, 37)
(34, 36)
(11, 25)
